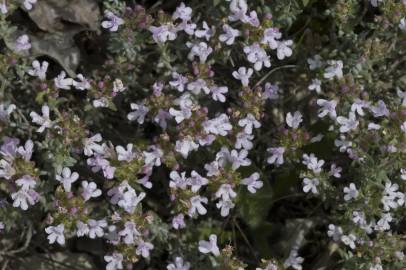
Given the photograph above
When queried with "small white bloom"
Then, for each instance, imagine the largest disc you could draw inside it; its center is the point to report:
(229, 34)
(276, 155)
(96, 228)
(327, 108)
(310, 185)
(23, 43)
(196, 205)
(347, 124)
(139, 113)
(257, 55)
(179, 264)
(66, 178)
(62, 82)
(315, 86)
(114, 261)
(284, 49)
(294, 120)
(351, 192)
(55, 234)
(243, 74)
(249, 122)
(252, 182)
(335, 69)
(43, 121)
(39, 70)
(209, 246)
(113, 22)
(90, 190)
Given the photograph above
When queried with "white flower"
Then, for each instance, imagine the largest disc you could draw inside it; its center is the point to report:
(226, 192)
(182, 12)
(239, 159)
(310, 185)
(335, 232)
(82, 84)
(139, 113)
(380, 109)
(179, 81)
(402, 24)
(114, 262)
(197, 86)
(90, 145)
(294, 120)
(178, 180)
(335, 171)
(23, 43)
(23, 198)
(327, 108)
(163, 33)
(271, 91)
(28, 4)
(202, 50)
(373, 126)
(185, 146)
(217, 93)
(43, 121)
(196, 205)
(218, 126)
(349, 240)
(225, 206)
(257, 55)
(252, 182)
(179, 264)
(403, 174)
(62, 82)
(178, 222)
(403, 127)
(229, 34)
(315, 86)
(143, 248)
(67, 178)
(39, 70)
(124, 154)
(26, 182)
(383, 222)
(294, 260)
(96, 228)
(271, 35)
(55, 233)
(90, 190)
(243, 74)
(82, 229)
(153, 158)
(315, 62)
(113, 21)
(351, 192)
(284, 50)
(358, 106)
(249, 122)
(130, 233)
(276, 155)
(374, 3)
(335, 69)
(196, 181)
(313, 163)
(3, 7)
(347, 124)
(210, 246)
(238, 9)
(130, 200)
(5, 111)
(118, 86)
(206, 32)
(244, 140)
